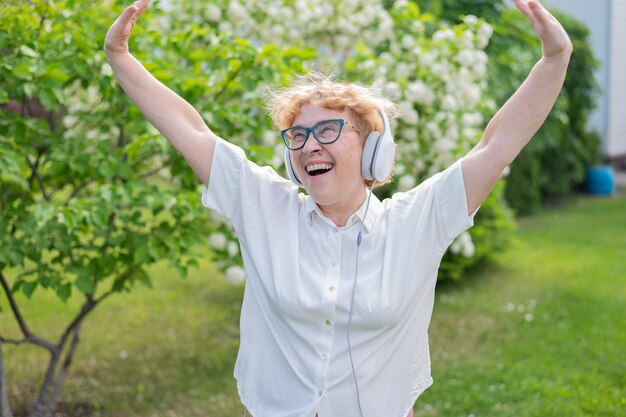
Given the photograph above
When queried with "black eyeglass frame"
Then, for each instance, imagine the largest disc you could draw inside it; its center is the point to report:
(309, 130)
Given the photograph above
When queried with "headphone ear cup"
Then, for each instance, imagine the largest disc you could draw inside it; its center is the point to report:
(378, 155)
(290, 171)
(383, 158)
(369, 152)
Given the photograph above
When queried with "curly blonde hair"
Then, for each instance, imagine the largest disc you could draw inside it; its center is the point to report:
(323, 90)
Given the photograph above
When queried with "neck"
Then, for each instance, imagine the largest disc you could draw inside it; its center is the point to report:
(340, 213)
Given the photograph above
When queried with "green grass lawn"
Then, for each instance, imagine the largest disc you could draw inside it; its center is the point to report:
(542, 332)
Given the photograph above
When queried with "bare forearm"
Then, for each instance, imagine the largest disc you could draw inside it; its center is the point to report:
(176, 119)
(524, 113)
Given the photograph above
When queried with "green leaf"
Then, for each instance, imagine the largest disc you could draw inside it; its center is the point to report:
(85, 284)
(141, 255)
(182, 270)
(119, 285)
(29, 52)
(55, 73)
(145, 280)
(47, 99)
(64, 291)
(28, 288)
(16, 287)
(23, 72)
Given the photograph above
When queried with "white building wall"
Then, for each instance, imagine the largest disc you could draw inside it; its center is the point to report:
(616, 144)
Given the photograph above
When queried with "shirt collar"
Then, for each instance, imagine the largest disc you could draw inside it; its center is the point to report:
(312, 208)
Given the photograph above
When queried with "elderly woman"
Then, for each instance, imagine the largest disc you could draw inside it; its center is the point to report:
(340, 285)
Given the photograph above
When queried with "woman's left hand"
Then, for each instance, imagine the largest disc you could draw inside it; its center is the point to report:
(554, 39)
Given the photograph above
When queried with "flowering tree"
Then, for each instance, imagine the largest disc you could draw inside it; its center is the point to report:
(437, 75)
(433, 71)
(90, 194)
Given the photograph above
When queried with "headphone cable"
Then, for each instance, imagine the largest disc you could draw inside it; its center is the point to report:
(356, 272)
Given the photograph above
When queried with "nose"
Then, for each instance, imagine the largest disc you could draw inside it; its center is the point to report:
(311, 145)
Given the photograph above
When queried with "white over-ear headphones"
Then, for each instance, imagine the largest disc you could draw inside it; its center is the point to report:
(377, 160)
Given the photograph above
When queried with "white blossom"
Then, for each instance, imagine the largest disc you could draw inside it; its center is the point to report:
(408, 114)
(236, 11)
(269, 138)
(444, 145)
(70, 121)
(406, 182)
(449, 103)
(443, 35)
(410, 134)
(403, 70)
(420, 93)
(463, 245)
(217, 240)
(408, 41)
(470, 20)
(233, 249)
(465, 58)
(426, 59)
(106, 70)
(485, 30)
(213, 12)
(471, 119)
(392, 89)
(235, 274)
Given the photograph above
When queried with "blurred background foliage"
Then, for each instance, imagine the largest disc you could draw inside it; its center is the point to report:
(553, 165)
(91, 195)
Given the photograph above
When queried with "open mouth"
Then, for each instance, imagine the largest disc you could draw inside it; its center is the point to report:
(318, 169)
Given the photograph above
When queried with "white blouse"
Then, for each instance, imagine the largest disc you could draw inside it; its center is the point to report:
(293, 357)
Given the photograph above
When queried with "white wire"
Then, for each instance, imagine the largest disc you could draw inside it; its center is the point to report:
(356, 272)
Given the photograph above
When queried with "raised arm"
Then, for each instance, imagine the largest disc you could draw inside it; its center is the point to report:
(176, 119)
(521, 116)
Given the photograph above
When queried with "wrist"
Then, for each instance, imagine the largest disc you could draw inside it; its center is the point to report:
(115, 54)
(560, 59)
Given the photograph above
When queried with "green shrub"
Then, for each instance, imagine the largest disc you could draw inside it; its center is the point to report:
(553, 165)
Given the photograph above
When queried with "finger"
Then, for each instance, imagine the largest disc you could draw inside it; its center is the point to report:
(540, 14)
(129, 16)
(142, 5)
(523, 7)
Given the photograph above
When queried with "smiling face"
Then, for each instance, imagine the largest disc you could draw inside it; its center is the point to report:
(330, 173)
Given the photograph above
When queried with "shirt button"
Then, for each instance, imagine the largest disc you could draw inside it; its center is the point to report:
(329, 322)
(324, 356)
(319, 393)
(335, 230)
(331, 288)
(333, 263)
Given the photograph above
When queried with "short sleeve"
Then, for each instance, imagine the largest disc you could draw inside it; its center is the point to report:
(219, 194)
(451, 200)
(242, 191)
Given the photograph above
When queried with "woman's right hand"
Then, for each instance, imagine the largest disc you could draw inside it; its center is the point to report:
(116, 41)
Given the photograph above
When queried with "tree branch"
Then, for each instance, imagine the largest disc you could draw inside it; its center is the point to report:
(89, 305)
(35, 173)
(76, 190)
(67, 361)
(155, 170)
(229, 80)
(20, 320)
(13, 341)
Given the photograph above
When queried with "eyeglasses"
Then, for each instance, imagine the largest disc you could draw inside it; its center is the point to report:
(325, 132)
